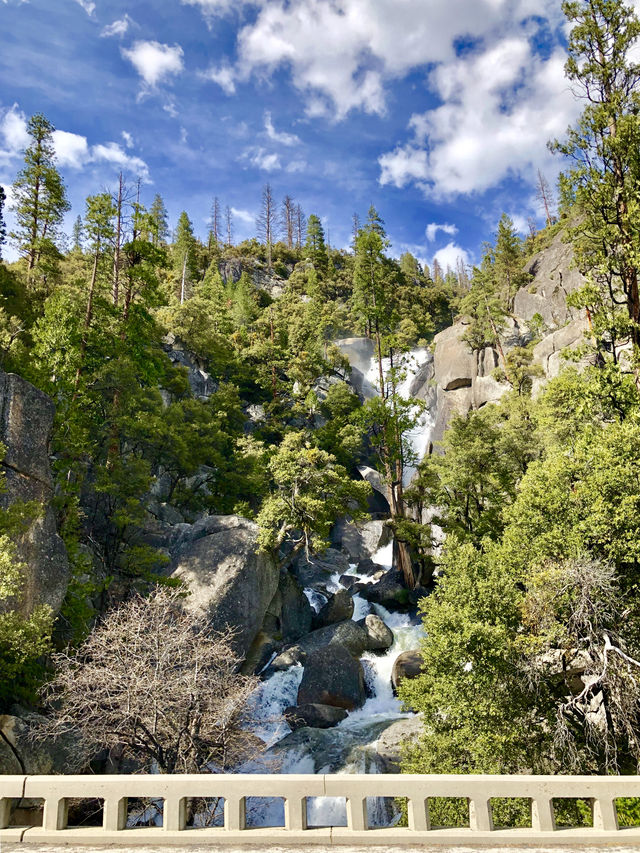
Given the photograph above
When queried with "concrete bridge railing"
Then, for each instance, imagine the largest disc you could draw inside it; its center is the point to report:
(174, 792)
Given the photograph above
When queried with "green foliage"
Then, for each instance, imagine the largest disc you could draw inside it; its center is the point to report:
(310, 492)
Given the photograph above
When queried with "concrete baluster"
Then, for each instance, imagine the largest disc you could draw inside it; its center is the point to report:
(543, 818)
(115, 814)
(235, 813)
(605, 815)
(295, 813)
(418, 814)
(174, 814)
(55, 813)
(357, 813)
(5, 812)
(480, 819)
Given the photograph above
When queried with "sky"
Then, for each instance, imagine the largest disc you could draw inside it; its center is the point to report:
(438, 112)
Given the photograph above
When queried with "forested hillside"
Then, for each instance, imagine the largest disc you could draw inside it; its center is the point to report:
(207, 390)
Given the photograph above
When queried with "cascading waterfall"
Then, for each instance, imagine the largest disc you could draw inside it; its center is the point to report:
(279, 691)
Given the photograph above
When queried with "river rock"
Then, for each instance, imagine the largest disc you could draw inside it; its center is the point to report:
(229, 581)
(347, 633)
(296, 612)
(380, 636)
(407, 665)
(293, 656)
(332, 677)
(314, 573)
(338, 608)
(390, 743)
(26, 423)
(314, 715)
(390, 591)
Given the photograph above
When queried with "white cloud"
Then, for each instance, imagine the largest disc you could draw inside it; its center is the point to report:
(372, 42)
(115, 155)
(433, 228)
(118, 28)
(244, 215)
(88, 5)
(13, 128)
(499, 107)
(155, 62)
(266, 161)
(297, 166)
(214, 8)
(71, 149)
(449, 256)
(223, 75)
(281, 138)
(128, 139)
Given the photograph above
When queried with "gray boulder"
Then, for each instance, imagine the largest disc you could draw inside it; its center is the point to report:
(380, 636)
(315, 572)
(229, 581)
(347, 633)
(390, 591)
(338, 608)
(454, 361)
(26, 422)
(332, 677)
(407, 665)
(313, 715)
(359, 541)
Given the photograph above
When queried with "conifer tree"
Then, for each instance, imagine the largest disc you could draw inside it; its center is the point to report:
(40, 198)
(3, 227)
(160, 220)
(76, 236)
(266, 221)
(314, 247)
(185, 264)
(288, 220)
(603, 147)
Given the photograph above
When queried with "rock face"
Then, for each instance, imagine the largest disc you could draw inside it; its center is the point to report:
(407, 665)
(314, 716)
(230, 583)
(20, 754)
(201, 383)
(332, 677)
(389, 745)
(26, 422)
(296, 612)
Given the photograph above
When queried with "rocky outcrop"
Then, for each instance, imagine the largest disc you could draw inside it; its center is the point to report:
(390, 591)
(20, 753)
(314, 715)
(26, 423)
(347, 634)
(201, 384)
(390, 743)
(332, 677)
(295, 611)
(228, 580)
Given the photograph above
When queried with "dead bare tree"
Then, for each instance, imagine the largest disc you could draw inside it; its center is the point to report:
(229, 222)
(158, 684)
(301, 226)
(215, 233)
(545, 197)
(266, 221)
(288, 220)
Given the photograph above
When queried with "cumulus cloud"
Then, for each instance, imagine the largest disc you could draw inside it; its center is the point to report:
(214, 8)
(433, 228)
(243, 215)
(498, 108)
(155, 62)
(260, 158)
(224, 75)
(118, 28)
(13, 128)
(372, 42)
(276, 136)
(449, 256)
(128, 139)
(71, 149)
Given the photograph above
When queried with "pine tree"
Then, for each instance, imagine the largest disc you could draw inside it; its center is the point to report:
(266, 221)
(508, 257)
(314, 247)
(185, 263)
(545, 197)
(215, 231)
(229, 225)
(160, 220)
(77, 234)
(40, 199)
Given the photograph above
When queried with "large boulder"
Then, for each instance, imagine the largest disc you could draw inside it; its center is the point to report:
(406, 665)
(549, 352)
(347, 634)
(362, 540)
(338, 608)
(314, 573)
(26, 423)
(230, 582)
(390, 591)
(296, 612)
(379, 635)
(332, 677)
(391, 741)
(313, 715)
(454, 361)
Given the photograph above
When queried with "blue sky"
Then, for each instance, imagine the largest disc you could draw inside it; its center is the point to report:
(436, 111)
